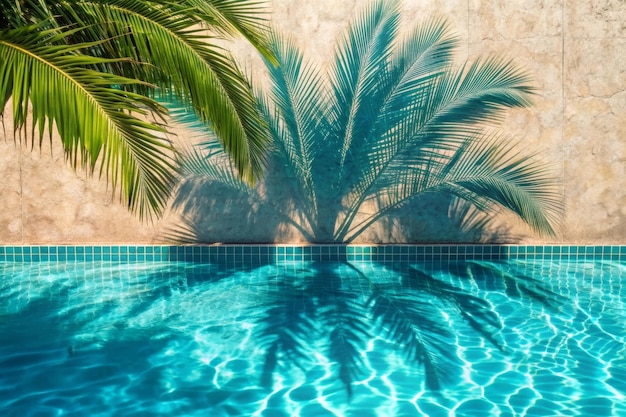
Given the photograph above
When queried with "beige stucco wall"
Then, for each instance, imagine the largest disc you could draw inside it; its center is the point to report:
(576, 50)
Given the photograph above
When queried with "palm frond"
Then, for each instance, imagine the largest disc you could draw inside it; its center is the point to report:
(487, 172)
(235, 18)
(170, 49)
(95, 121)
(448, 113)
(476, 224)
(396, 120)
(422, 58)
(481, 92)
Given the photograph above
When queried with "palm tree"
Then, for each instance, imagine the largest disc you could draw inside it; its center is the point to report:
(393, 119)
(99, 71)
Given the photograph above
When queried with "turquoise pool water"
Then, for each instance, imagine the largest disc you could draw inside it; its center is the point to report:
(310, 339)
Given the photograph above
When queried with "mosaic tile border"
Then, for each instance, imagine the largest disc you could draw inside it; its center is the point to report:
(253, 254)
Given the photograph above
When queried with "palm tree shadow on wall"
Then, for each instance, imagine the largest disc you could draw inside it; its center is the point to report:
(211, 212)
(393, 134)
(215, 207)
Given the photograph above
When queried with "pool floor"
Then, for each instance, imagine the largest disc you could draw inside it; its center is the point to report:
(475, 338)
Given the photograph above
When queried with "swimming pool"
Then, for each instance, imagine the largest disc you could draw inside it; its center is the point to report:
(303, 332)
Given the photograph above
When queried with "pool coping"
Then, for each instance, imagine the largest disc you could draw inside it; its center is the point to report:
(244, 253)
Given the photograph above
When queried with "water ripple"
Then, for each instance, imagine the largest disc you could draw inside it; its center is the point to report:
(161, 339)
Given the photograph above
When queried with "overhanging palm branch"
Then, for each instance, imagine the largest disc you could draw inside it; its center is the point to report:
(172, 38)
(92, 117)
(169, 47)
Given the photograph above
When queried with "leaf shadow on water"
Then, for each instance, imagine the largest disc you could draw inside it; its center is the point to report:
(109, 344)
(325, 306)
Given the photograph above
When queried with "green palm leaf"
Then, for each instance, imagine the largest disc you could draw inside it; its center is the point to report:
(96, 121)
(236, 17)
(185, 66)
(147, 49)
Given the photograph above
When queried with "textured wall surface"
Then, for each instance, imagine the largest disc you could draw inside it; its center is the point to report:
(575, 49)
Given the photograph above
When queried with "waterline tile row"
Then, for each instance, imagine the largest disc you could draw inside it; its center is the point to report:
(281, 253)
